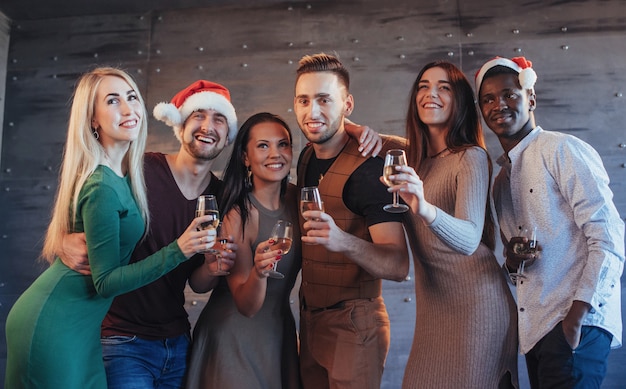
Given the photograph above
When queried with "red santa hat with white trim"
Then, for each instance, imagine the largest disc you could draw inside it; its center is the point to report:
(527, 76)
(201, 94)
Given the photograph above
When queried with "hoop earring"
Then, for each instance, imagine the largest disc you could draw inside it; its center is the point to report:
(95, 133)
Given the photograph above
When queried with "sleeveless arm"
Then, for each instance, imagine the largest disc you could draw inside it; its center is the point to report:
(247, 286)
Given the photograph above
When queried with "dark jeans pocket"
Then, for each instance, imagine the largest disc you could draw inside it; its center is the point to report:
(117, 340)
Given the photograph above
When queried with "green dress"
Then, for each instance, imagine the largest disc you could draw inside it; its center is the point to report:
(53, 329)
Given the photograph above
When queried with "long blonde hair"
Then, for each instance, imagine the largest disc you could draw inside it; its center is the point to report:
(82, 155)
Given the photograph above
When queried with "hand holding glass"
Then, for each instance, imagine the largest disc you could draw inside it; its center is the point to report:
(220, 245)
(207, 205)
(282, 236)
(310, 199)
(529, 247)
(393, 158)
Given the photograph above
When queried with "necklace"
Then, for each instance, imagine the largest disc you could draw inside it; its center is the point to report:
(320, 167)
(440, 154)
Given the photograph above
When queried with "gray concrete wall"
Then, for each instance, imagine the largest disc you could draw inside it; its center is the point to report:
(4, 55)
(578, 49)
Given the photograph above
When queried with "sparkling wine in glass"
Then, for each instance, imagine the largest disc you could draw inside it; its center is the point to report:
(282, 235)
(207, 205)
(393, 158)
(530, 247)
(310, 199)
(220, 245)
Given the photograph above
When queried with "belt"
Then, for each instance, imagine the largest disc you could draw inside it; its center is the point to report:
(338, 305)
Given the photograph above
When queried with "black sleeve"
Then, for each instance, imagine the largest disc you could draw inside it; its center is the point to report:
(365, 195)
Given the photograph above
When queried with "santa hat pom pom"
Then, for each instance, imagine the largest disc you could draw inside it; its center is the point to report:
(168, 113)
(527, 78)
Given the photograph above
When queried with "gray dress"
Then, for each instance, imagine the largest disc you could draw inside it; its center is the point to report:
(465, 326)
(230, 350)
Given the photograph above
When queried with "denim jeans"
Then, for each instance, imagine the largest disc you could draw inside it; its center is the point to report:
(134, 363)
(553, 364)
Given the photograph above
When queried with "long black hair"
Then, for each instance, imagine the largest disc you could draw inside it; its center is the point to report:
(235, 190)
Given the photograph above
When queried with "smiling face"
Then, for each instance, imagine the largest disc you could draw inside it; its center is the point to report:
(506, 108)
(205, 134)
(268, 153)
(117, 111)
(434, 98)
(320, 105)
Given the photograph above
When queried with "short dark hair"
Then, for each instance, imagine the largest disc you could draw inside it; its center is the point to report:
(323, 63)
(495, 71)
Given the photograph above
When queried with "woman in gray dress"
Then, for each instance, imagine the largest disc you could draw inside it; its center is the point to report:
(465, 329)
(246, 335)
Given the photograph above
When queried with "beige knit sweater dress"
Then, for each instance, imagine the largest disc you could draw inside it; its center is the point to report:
(465, 327)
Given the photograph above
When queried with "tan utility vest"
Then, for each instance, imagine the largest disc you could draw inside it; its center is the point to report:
(327, 277)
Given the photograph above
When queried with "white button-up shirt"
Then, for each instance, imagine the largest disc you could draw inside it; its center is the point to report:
(558, 183)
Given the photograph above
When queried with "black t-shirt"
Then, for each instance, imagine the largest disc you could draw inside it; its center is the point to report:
(363, 193)
(156, 310)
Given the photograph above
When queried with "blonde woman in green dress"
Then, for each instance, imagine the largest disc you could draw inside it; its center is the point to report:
(53, 330)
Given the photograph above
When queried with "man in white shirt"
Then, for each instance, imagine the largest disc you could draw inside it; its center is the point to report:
(569, 294)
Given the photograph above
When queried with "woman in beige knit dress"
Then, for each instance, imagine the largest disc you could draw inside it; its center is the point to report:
(465, 328)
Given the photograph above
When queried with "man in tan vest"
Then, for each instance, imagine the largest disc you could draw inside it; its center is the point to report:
(349, 248)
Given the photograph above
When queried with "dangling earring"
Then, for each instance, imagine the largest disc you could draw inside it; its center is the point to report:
(95, 133)
(248, 182)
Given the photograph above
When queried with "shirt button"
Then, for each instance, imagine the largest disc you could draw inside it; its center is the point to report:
(521, 309)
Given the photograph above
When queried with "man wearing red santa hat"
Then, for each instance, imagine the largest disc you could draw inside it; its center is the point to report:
(568, 281)
(146, 333)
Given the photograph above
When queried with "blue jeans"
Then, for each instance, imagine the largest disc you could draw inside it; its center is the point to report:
(553, 364)
(134, 363)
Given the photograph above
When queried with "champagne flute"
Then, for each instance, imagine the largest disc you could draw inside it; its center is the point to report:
(282, 236)
(220, 245)
(310, 199)
(393, 158)
(207, 205)
(530, 247)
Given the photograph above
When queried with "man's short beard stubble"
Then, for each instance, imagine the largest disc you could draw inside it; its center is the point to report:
(325, 137)
(203, 156)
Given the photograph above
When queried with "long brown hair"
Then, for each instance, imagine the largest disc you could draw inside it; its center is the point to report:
(465, 130)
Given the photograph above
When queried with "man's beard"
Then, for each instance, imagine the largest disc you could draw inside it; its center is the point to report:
(207, 155)
(324, 137)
